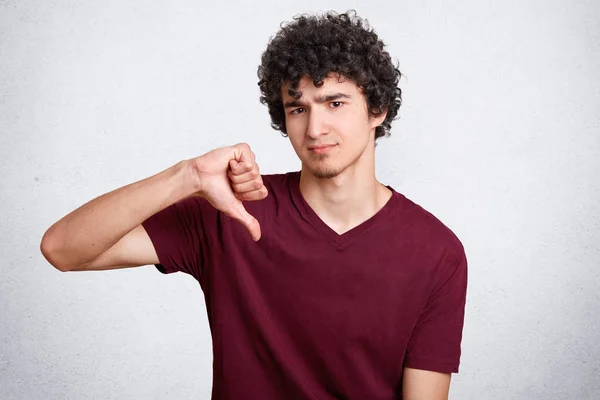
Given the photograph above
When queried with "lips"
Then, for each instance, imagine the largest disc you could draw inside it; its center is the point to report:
(321, 147)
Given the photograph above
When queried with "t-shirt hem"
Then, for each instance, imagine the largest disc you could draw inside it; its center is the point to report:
(161, 267)
(432, 365)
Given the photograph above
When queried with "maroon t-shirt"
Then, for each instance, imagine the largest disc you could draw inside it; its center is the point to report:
(306, 313)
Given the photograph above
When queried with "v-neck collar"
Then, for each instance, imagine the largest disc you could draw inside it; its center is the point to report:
(308, 214)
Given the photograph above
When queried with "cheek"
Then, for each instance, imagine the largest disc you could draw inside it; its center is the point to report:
(354, 123)
(358, 115)
(295, 138)
(296, 130)
(292, 126)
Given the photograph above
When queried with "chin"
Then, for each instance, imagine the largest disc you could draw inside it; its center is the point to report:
(327, 174)
(326, 171)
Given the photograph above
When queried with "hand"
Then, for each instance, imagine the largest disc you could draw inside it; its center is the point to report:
(226, 177)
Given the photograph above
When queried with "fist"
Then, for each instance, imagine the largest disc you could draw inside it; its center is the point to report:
(245, 178)
(226, 177)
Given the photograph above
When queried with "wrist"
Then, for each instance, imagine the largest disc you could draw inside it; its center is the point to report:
(191, 178)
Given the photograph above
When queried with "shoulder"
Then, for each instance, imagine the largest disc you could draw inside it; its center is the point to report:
(441, 252)
(278, 187)
(427, 231)
(279, 181)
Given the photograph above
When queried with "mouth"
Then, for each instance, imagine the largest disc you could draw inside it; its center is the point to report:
(322, 148)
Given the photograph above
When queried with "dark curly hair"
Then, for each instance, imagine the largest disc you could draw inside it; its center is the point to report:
(317, 45)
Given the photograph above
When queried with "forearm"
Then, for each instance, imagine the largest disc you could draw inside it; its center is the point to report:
(93, 228)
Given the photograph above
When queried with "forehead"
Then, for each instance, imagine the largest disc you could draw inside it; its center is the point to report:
(332, 83)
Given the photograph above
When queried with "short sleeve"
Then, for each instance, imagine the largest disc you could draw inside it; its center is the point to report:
(435, 343)
(178, 234)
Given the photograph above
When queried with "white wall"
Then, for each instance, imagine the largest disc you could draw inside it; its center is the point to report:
(498, 137)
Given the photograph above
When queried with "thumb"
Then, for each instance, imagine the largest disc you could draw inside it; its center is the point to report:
(251, 224)
(233, 165)
(242, 158)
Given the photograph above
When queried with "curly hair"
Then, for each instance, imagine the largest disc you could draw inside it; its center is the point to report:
(317, 45)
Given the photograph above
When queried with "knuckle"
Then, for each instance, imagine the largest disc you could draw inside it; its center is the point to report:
(244, 146)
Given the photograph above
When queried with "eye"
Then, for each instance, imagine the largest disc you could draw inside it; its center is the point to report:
(297, 111)
(335, 104)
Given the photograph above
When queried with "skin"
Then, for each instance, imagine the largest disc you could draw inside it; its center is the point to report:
(338, 181)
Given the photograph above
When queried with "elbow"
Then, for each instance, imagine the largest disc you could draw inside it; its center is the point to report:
(50, 252)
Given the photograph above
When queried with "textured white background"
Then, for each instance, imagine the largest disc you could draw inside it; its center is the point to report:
(498, 137)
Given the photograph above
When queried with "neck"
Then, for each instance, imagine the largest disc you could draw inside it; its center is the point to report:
(350, 198)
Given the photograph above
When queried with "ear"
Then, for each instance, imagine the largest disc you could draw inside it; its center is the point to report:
(377, 120)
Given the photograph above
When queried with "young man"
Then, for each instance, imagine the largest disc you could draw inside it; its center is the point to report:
(321, 283)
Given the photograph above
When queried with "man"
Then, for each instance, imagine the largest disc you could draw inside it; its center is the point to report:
(319, 284)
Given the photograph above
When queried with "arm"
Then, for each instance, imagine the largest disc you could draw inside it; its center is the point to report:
(106, 233)
(419, 384)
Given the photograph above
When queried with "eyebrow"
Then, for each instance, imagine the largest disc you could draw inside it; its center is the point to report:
(319, 100)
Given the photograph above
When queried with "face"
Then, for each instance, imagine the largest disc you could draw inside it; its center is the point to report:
(329, 127)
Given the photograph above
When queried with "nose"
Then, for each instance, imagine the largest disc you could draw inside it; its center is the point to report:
(317, 125)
